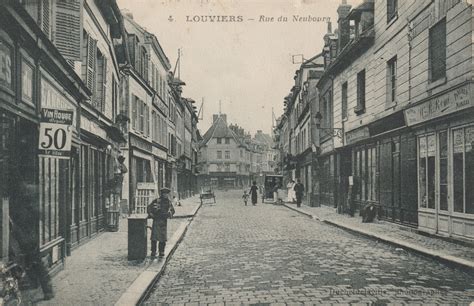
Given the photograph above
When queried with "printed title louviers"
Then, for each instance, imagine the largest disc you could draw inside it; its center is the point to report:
(260, 18)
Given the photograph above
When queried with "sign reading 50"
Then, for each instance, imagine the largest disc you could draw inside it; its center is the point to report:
(55, 135)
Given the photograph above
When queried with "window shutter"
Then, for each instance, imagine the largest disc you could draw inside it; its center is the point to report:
(145, 64)
(146, 121)
(90, 64)
(45, 16)
(134, 112)
(131, 44)
(68, 28)
(389, 9)
(137, 56)
(104, 84)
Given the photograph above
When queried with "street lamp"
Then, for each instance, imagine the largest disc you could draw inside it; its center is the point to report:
(335, 132)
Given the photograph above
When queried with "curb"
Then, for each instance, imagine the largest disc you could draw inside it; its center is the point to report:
(447, 259)
(302, 212)
(141, 286)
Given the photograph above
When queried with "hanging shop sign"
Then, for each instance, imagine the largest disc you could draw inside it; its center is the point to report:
(447, 103)
(55, 135)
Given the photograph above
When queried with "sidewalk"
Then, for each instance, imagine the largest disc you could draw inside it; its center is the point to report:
(403, 237)
(98, 273)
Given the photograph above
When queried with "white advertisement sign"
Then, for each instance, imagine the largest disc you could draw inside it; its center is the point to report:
(55, 135)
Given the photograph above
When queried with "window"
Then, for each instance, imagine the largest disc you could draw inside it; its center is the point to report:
(463, 169)
(219, 154)
(26, 82)
(227, 141)
(437, 51)
(144, 64)
(392, 8)
(101, 82)
(219, 140)
(360, 108)
(227, 167)
(89, 62)
(391, 81)
(426, 171)
(153, 76)
(115, 90)
(227, 154)
(443, 170)
(154, 127)
(344, 100)
(5, 65)
(141, 116)
(135, 113)
(147, 120)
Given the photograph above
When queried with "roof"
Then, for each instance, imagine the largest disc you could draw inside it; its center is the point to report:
(264, 138)
(218, 129)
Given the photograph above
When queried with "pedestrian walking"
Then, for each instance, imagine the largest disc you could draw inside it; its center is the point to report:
(160, 210)
(291, 192)
(299, 191)
(245, 197)
(254, 192)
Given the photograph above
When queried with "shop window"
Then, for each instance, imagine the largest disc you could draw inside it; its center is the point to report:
(463, 170)
(84, 185)
(143, 170)
(469, 169)
(5, 65)
(443, 171)
(426, 175)
(48, 199)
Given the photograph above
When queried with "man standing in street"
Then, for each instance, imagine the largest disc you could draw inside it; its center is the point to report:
(299, 190)
(160, 210)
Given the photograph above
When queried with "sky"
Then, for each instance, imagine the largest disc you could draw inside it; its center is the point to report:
(246, 65)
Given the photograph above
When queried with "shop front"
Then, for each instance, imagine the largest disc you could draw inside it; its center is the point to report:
(159, 166)
(143, 177)
(444, 128)
(38, 136)
(94, 192)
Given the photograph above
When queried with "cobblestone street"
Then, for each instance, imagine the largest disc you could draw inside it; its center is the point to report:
(270, 254)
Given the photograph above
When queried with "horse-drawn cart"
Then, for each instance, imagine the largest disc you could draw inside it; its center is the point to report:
(207, 194)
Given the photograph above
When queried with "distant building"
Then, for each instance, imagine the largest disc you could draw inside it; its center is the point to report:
(223, 159)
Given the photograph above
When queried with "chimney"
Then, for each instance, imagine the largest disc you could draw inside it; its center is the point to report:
(214, 118)
(224, 117)
(127, 13)
(343, 24)
(329, 27)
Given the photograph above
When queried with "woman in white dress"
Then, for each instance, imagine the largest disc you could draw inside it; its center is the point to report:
(291, 191)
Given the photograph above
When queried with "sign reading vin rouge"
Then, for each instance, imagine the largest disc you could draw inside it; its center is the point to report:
(450, 102)
(55, 132)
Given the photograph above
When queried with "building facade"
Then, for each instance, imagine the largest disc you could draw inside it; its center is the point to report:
(145, 102)
(69, 188)
(220, 157)
(406, 141)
